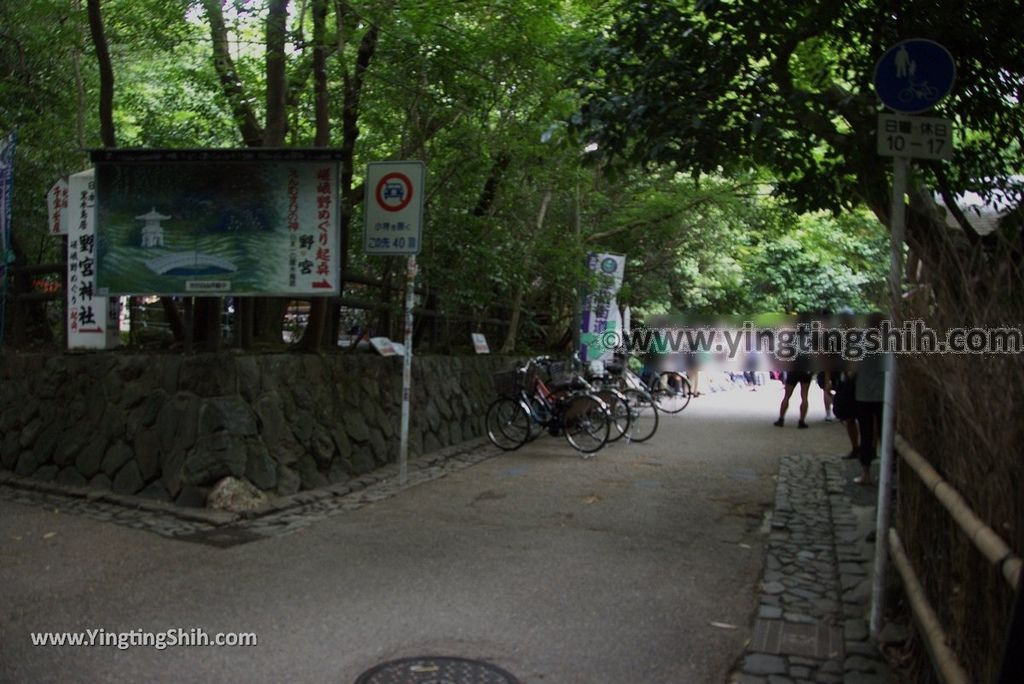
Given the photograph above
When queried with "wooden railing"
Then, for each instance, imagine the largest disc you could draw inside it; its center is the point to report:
(20, 292)
(986, 541)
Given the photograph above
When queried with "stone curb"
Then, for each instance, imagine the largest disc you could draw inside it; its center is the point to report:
(219, 518)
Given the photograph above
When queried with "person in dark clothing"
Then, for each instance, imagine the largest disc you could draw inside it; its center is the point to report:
(794, 378)
(870, 395)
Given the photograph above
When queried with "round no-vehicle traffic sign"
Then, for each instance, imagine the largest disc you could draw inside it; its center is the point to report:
(394, 191)
(393, 215)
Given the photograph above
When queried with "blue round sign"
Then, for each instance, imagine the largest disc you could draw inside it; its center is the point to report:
(913, 75)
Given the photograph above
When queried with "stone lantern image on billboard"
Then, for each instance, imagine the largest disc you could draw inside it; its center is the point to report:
(222, 222)
(152, 231)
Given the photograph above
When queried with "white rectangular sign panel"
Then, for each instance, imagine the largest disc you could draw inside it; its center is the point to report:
(393, 208)
(92, 320)
(480, 343)
(916, 137)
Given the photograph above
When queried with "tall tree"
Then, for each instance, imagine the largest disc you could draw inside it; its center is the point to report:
(313, 335)
(717, 85)
(99, 41)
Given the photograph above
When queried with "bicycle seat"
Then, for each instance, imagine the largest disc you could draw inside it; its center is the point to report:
(614, 368)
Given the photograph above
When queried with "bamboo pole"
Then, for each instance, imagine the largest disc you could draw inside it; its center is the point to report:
(943, 658)
(983, 537)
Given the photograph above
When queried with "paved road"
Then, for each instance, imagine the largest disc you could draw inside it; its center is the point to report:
(608, 570)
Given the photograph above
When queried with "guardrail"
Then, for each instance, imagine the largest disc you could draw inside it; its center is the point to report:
(987, 542)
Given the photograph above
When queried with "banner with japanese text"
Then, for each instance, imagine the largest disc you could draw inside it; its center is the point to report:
(92, 319)
(600, 310)
(218, 222)
(7, 145)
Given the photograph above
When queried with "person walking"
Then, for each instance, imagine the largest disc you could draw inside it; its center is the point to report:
(794, 378)
(870, 396)
(798, 373)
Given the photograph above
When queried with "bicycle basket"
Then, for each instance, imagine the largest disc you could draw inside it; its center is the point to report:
(506, 383)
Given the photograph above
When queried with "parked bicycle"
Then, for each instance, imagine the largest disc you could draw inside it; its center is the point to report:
(640, 404)
(527, 405)
(670, 390)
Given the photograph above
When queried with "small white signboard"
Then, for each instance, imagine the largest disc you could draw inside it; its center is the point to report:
(393, 212)
(480, 343)
(916, 137)
(57, 208)
(383, 346)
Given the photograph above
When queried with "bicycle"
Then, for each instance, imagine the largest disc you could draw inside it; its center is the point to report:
(640, 405)
(618, 402)
(918, 91)
(670, 390)
(526, 405)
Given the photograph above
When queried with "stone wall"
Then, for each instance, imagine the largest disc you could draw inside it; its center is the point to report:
(169, 427)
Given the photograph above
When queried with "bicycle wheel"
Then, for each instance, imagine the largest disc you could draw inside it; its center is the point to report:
(540, 416)
(508, 424)
(586, 422)
(618, 407)
(671, 392)
(643, 413)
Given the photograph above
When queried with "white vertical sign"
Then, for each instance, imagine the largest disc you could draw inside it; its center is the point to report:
(393, 208)
(89, 316)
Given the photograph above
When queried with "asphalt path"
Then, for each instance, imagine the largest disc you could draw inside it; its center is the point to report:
(640, 565)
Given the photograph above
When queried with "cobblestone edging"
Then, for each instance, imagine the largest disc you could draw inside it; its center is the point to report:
(283, 515)
(816, 587)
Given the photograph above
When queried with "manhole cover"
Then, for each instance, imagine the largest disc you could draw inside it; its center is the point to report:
(440, 670)
(821, 639)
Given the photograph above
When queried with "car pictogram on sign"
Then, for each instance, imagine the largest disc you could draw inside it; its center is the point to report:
(394, 190)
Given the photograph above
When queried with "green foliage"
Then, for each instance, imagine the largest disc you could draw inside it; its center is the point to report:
(483, 93)
(787, 85)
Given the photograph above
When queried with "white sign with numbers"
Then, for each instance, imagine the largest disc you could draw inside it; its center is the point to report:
(916, 137)
(393, 209)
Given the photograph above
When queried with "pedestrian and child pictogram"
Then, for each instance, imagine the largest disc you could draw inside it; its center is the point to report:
(914, 75)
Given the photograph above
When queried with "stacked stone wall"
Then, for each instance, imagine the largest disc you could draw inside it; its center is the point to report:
(169, 427)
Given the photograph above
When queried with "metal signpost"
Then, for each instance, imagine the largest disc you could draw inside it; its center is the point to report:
(910, 78)
(393, 225)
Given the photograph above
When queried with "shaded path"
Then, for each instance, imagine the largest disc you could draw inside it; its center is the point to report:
(640, 565)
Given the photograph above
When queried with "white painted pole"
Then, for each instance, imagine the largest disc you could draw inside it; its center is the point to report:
(403, 447)
(897, 228)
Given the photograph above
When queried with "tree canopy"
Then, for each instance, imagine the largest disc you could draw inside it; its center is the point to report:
(722, 128)
(711, 86)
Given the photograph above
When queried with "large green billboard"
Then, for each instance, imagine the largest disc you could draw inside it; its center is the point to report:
(217, 222)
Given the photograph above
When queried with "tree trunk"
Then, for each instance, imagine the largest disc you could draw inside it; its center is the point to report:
(231, 84)
(314, 333)
(268, 312)
(353, 86)
(513, 324)
(99, 41)
(517, 299)
(277, 81)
